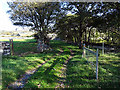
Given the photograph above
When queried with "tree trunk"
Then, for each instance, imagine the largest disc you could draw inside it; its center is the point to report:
(80, 37)
(85, 35)
(108, 36)
(89, 35)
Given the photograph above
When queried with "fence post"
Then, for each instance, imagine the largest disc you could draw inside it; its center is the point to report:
(88, 46)
(97, 64)
(11, 46)
(103, 48)
(83, 50)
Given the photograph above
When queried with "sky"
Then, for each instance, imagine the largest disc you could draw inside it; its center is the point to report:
(5, 22)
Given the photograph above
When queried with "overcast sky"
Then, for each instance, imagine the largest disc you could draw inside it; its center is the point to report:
(5, 22)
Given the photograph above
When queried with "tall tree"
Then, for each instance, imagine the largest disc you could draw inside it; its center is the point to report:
(79, 20)
(38, 15)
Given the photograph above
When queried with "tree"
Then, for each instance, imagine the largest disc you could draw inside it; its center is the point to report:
(37, 15)
(77, 23)
(109, 21)
(76, 27)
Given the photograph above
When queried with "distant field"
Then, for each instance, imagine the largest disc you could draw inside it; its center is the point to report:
(21, 40)
(14, 38)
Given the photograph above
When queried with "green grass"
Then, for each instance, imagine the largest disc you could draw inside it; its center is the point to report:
(79, 72)
(0, 81)
(24, 47)
(20, 40)
(81, 75)
(49, 73)
(14, 66)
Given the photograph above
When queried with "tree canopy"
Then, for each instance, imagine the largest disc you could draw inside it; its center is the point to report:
(86, 22)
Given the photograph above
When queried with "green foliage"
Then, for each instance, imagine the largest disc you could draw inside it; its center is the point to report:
(73, 27)
(36, 14)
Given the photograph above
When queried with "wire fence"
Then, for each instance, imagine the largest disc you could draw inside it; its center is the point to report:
(92, 59)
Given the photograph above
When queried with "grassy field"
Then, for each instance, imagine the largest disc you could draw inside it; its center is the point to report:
(79, 73)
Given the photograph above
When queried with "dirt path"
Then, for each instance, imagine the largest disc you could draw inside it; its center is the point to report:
(22, 81)
(62, 80)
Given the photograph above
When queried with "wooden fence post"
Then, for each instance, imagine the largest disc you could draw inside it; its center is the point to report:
(97, 64)
(103, 48)
(83, 50)
(11, 47)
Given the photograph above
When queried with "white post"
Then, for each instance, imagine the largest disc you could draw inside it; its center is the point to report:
(88, 47)
(97, 64)
(83, 50)
(103, 48)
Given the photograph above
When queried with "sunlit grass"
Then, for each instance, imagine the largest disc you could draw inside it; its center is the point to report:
(14, 66)
(13, 39)
(19, 40)
(81, 75)
(49, 73)
(79, 72)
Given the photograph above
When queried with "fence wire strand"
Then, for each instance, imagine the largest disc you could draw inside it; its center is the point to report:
(92, 59)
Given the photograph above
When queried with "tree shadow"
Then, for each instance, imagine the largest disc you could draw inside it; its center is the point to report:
(48, 73)
(51, 67)
(80, 75)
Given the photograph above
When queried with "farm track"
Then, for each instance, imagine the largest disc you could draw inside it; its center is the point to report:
(23, 80)
(62, 80)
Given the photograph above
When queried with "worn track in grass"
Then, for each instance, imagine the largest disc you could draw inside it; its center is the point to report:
(62, 80)
(22, 81)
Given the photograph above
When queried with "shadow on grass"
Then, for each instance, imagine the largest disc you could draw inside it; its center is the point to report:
(49, 73)
(14, 66)
(27, 46)
(51, 67)
(80, 75)
(118, 55)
